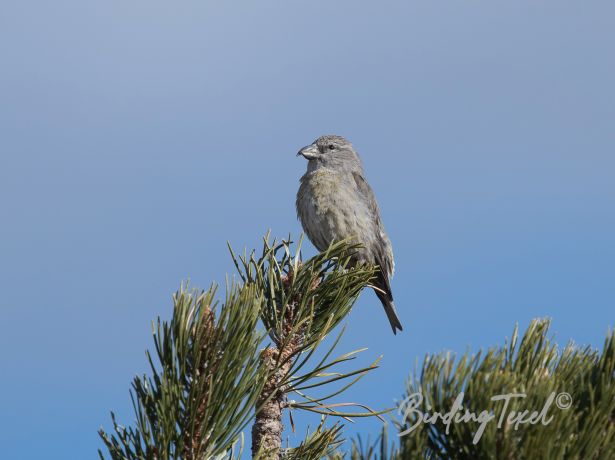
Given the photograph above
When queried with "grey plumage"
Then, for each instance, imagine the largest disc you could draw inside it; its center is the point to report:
(335, 202)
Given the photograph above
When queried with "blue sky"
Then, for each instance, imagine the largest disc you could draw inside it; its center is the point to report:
(136, 138)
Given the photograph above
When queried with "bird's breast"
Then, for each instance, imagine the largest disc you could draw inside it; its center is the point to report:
(329, 208)
(318, 194)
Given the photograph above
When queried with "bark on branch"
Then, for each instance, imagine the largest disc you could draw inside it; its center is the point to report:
(268, 427)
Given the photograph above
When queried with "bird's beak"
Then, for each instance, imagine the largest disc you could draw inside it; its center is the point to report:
(309, 151)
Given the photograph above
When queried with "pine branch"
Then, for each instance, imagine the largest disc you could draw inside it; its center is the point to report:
(209, 377)
(304, 302)
(204, 384)
(532, 366)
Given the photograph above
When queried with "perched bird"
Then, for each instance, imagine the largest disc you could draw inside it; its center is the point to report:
(335, 202)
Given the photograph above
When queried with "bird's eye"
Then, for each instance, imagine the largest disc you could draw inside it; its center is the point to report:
(331, 147)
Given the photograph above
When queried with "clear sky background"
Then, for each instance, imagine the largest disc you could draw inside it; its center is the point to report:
(137, 137)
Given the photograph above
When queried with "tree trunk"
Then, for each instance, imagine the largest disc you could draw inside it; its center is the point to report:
(268, 427)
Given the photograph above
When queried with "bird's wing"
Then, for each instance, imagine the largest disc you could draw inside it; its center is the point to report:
(384, 250)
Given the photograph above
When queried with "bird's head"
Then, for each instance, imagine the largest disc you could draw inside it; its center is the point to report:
(331, 152)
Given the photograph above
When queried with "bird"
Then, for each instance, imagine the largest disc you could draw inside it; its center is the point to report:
(335, 202)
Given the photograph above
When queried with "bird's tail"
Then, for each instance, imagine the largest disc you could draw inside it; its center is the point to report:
(389, 308)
